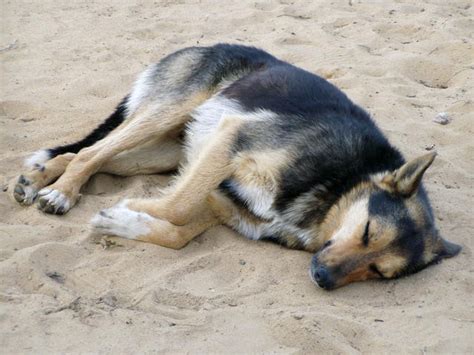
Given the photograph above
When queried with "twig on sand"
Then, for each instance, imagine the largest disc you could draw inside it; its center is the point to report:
(462, 320)
(74, 305)
(10, 46)
(299, 17)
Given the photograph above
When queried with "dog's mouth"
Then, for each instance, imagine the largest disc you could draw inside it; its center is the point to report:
(312, 277)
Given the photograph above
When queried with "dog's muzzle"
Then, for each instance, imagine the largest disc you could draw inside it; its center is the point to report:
(321, 275)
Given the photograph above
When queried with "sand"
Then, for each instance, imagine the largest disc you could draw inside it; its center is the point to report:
(66, 64)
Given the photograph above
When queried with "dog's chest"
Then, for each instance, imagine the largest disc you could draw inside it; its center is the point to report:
(253, 182)
(205, 124)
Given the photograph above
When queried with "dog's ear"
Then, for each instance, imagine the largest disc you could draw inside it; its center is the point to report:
(445, 249)
(405, 180)
(439, 248)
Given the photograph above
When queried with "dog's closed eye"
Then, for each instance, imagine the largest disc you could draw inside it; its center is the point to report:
(365, 236)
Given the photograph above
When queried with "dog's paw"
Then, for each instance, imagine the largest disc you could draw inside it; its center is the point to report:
(54, 201)
(25, 191)
(38, 158)
(28, 184)
(122, 222)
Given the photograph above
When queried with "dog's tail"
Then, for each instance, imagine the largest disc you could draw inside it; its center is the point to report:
(112, 122)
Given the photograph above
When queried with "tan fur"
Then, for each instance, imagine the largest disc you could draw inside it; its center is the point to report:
(361, 273)
(262, 168)
(167, 234)
(381, 235)
(351, 250)
(390, 264)
(41, 177)
(138, 130)
(29, 183)
(191, 207)
(215, 210)
(334, 218)
(159, 156)
(416, 211)
(405, 180)
(188, 196)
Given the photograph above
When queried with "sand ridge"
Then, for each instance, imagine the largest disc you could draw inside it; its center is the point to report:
(65, 65)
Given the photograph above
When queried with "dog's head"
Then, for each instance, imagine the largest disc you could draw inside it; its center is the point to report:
(383, 230)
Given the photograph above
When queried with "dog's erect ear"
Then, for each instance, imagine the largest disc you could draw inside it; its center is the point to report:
(405, 180)
(446, 249)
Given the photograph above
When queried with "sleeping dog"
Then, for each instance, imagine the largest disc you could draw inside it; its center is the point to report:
(264, 147)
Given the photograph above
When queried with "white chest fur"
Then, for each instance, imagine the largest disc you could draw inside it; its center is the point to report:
(254, 180)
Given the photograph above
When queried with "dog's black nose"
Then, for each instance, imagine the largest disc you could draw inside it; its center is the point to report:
(322, 277)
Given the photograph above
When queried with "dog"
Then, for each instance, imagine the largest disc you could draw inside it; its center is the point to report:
(266, 148)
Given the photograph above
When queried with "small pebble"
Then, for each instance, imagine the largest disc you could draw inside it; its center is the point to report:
(430, 147)
(298, 316)
(109, 300)
(442, 118)
(56, 276)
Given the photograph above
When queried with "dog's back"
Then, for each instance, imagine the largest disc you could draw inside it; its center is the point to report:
(304, 144)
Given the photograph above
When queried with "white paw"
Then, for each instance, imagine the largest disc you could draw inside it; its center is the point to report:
(122, 222)
(53, 201)
(25, 191)
(37, 158)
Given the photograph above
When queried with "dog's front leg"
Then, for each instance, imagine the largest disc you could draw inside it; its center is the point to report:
(190, 207)
(188, 196)
(40, 175)
(124, 222)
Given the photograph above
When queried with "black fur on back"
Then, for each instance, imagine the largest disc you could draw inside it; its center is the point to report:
(222, 61)
(341, 150)
(335, 143)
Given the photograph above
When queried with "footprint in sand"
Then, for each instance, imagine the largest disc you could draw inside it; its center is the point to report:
(43, 268)
(14, 109)
(429, 73)
(402, 33)
(218, 274)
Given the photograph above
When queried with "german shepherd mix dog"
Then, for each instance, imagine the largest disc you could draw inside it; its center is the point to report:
(271, 150)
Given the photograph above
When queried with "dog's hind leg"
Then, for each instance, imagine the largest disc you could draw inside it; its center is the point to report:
(190, 207)
(158, 106)
(46, 165)
(154, 158)
(40, 157)
(145, 127)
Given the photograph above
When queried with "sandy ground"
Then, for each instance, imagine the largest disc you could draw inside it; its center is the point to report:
(70, 62)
